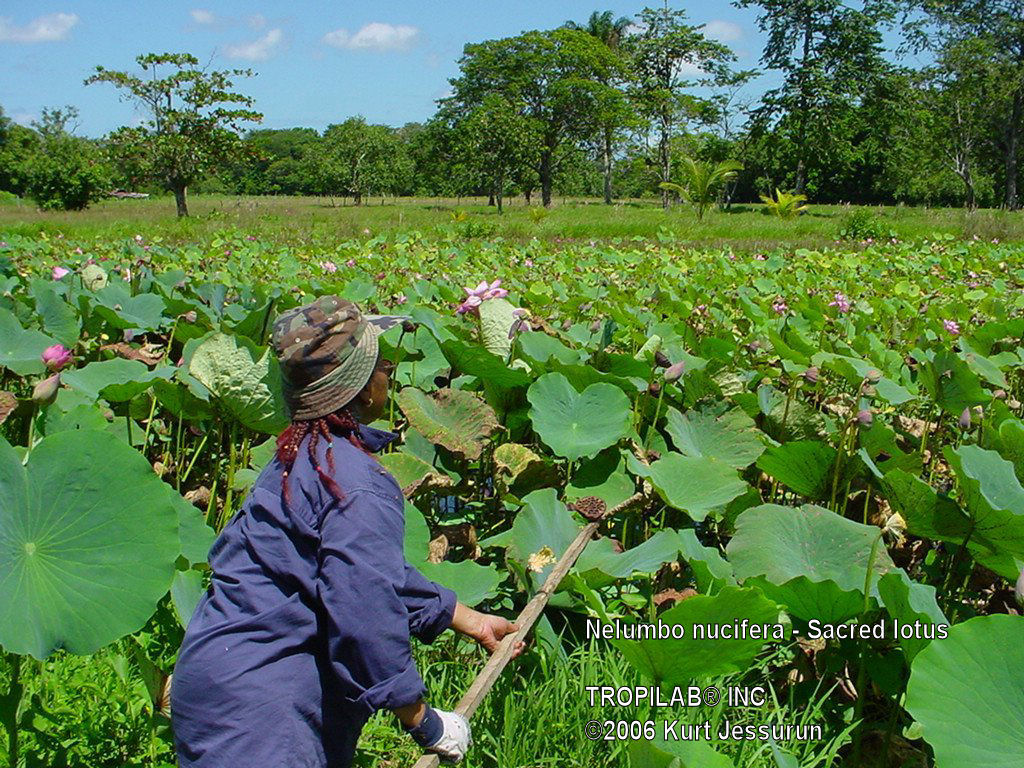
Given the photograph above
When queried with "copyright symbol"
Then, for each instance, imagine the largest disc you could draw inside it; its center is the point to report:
(593, 730)
(711, 696)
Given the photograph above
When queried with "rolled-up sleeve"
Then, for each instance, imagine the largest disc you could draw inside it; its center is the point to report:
(362, 583)
(431, 606)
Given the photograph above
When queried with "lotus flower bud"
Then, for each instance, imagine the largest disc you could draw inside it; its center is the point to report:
(566, 324)
(661, 359)
(1018, 590)
(56, 357)
(408, 326)
(45, 392)
(865, 417)
(516, 326)
(654, 389)
(811, 375)
(595, 326)
(873, 375)
(190, 317)
(999, 394)
(965, 419)
(675, 371)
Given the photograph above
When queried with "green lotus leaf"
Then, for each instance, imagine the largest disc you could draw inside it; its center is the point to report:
(21, 349)
(603, 476)
(543, 524)
(809, 559)
(804, 466)
(58, 317)
(659, 753)
(908, 602)
(994, 499)
(952, 384)
(472, 582)
(115, 380)
(967, 692)
(88, 541)
(600, 564)
(520, 468)
(575, 425)
(454, 418)
(695, 484)
(680, 661)
(187, 590)
(472, 360)
(540, 347)
(195, 536)
(731, 437)
(243, 378)
(122, 310)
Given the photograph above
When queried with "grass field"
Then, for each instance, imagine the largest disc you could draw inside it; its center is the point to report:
(304, 219)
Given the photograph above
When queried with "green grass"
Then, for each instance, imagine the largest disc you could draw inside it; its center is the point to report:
(305, 219)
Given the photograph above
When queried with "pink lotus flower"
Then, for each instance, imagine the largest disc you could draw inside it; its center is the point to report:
(841, 303)
(56, 357)
(528, 263)
(952, 327)
(476, 296)
(401, 298)
(350, 263)
(329, 266)
(59, 272)
(780, 307)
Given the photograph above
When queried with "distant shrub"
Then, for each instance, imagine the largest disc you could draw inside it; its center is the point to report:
(862, 224)
(538, 214)
(67, 174)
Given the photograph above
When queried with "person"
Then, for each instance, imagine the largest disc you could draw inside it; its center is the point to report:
(305, 629)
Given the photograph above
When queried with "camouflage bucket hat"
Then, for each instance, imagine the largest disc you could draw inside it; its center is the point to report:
(327, 350)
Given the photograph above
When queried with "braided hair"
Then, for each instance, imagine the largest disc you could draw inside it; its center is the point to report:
(341, 423)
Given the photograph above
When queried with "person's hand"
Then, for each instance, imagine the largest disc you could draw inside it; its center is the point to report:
(455, 737)
(487, 629)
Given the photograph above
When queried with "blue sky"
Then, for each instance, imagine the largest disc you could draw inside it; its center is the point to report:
(317, 62)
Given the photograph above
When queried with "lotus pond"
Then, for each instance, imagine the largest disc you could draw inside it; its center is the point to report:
(804, 438)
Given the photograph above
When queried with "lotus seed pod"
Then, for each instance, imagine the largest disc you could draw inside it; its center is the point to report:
(965, 419)
(865, 417)
(661, 359)
(675, 371)
(1018, 590)
(811, 375)
(45, 392)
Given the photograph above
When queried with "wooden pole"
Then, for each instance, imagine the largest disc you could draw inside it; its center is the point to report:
(487, 676)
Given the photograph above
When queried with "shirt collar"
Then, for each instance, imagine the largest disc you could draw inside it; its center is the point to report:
(374, 438)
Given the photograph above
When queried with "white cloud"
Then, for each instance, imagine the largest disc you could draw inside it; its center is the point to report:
(257, 50)
(375, 36)
(202, 16)
(257, 21)
(723, 31)
(43, 29)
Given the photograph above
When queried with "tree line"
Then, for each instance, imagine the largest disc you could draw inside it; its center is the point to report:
(614, 107)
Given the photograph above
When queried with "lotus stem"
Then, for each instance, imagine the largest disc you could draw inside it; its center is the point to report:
(10, 709)
(657, 415)
(862, 671)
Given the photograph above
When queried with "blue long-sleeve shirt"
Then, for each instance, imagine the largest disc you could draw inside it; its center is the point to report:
(304, 631)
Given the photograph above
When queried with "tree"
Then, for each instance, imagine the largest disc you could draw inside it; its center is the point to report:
(358, 159)
(66, 172)
(990, 34)
(610, 31)
(271, 162)
(17, 144)
(664, 48)
(829, 54)
(500, 143)
(702, 181)
(558, 77)
(194, 121)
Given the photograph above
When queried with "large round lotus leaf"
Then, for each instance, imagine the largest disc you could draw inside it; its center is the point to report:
(967, 692)
(731, 437)
(21, 348)
(472, 582)
(674, 661)
(575, 425)
(696, 484)
(804, 466)
(115, 380)
(88, 540)
(454, 418)
(810, 559)
(244, 380)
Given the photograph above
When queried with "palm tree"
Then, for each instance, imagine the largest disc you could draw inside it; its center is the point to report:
(702, 180)
(605, 27)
